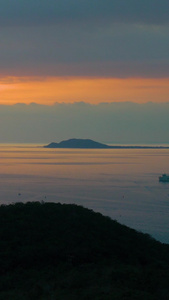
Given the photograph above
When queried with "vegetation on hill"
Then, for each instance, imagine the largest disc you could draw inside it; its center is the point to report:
(59, 251)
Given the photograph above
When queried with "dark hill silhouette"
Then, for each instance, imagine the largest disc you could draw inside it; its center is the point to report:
(78, 143)
(90, 144)
(59, 251)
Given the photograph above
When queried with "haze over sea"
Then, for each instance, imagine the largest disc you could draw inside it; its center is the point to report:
(120, 183)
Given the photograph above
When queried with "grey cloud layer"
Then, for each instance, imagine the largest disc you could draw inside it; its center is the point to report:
(23, 12)
(122, 51)
(114, 122)
(119, 38)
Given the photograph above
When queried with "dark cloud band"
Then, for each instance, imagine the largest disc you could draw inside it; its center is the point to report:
(23, 12)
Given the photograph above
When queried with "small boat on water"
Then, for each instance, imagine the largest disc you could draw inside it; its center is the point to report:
(164, 178)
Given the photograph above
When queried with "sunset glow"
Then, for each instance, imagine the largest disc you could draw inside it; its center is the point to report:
(73, 89)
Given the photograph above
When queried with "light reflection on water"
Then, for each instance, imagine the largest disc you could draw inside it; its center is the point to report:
(122, 184)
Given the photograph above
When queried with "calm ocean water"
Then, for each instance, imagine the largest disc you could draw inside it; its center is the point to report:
(122, 184)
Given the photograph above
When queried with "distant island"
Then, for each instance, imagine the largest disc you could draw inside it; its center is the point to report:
(78, 143)
(90, 144)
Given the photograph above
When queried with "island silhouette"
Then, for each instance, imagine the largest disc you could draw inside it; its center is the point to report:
(78, 143)
(90, 144)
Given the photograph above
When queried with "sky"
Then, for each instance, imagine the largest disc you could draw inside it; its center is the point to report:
(116, 122)
(81, 50)
(78, 68)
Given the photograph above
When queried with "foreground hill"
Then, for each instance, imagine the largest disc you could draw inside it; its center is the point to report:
(55, 251)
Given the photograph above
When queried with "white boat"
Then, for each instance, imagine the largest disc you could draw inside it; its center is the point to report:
(164, 178)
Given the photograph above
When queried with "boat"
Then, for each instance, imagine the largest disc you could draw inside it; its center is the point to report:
(164, 178)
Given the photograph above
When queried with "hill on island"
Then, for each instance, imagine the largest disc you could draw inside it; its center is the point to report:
(90, 144)
(59, 251)
(78, 143)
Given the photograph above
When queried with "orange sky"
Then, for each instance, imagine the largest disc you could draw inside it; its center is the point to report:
(93, 90)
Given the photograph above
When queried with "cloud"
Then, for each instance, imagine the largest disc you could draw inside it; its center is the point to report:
(88, 89)
(121, 51)
(23, 12)
(106, 122)
(120, 38)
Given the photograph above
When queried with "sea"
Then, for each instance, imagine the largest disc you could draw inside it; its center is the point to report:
(120, 183)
